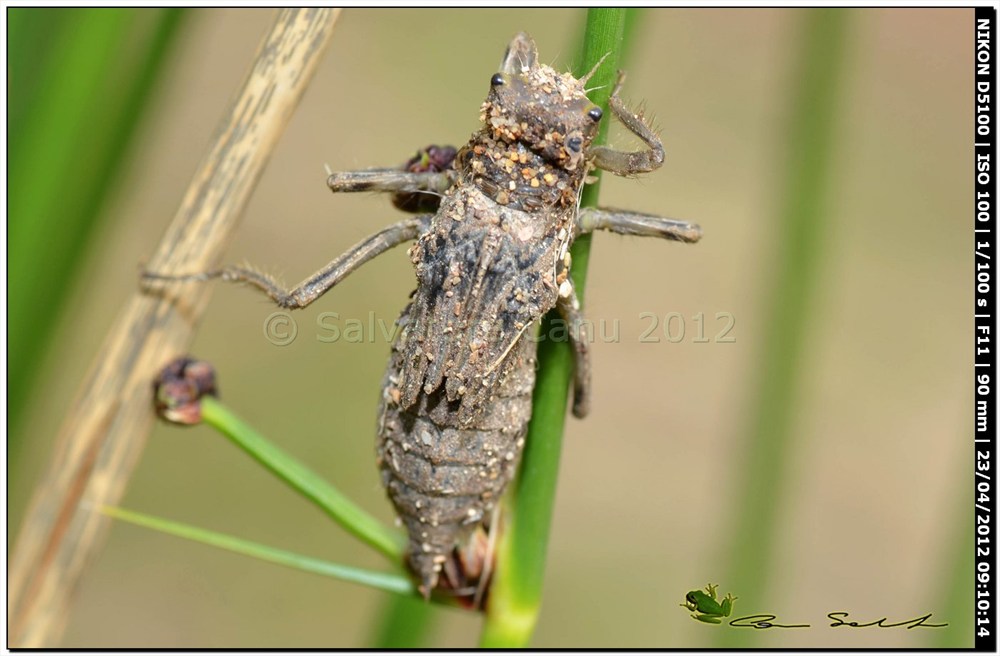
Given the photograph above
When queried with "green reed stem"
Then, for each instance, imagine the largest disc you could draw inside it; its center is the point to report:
(516, 592)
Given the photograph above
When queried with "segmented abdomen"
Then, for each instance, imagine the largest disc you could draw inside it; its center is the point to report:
(445, 480)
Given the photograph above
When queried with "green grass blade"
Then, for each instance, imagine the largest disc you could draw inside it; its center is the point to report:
(380, 580)
(768, 441)
(516, 591)
(80, 80)
(345, 512)
(31, 35)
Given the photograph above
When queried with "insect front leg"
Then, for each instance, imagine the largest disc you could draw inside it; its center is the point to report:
(636, 223)
(629, 163)
(320, 282)
(579, 336)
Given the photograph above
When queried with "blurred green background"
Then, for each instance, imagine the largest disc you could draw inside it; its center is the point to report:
(871, 496)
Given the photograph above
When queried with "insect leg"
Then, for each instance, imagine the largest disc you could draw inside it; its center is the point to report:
(320, 282)
(487, 570)
(636, 223)
(391, 180)
(629, 163)
(416, 187)
(415, 192)
(569, 309)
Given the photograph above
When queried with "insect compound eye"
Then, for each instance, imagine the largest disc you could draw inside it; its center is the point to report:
(497, 79)
(595, 114)
(574, 144)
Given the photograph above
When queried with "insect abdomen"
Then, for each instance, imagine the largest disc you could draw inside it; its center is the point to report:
(444, 480)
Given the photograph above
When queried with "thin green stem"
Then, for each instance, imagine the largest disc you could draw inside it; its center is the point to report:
(345, 512)
(403, 623)
(397, 583)
(516, 592)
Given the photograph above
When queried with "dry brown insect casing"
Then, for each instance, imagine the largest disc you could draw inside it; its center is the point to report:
(489, 262)
(457, 395)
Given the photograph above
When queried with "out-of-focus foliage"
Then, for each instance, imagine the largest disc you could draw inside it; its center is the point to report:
(79, 81)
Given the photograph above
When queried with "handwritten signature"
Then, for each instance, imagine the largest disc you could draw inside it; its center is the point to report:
(766, 621)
